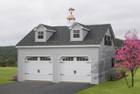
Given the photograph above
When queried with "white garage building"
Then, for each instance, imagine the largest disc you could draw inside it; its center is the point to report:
(78, 53)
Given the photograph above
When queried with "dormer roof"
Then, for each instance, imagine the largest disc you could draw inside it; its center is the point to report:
(82, 26)
(47, 27)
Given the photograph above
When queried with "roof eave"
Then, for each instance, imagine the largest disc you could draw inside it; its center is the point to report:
(61, 46)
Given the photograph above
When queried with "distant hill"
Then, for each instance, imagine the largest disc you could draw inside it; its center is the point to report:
(7, 56)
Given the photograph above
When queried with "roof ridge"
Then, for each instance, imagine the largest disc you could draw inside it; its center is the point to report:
(60, 26)
(97, 24)
(78, 23)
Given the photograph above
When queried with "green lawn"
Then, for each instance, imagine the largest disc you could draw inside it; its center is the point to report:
(114, 87)
(109, 87)
(6, 73)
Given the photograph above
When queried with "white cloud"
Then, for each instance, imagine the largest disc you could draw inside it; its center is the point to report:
(18, 17)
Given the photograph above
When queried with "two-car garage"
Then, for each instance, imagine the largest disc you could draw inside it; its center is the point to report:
(71, 68)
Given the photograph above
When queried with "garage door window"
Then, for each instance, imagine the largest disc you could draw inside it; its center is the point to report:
(67, 58)
(75, 58)
(45, 59)
(82, 58)
(32, 58)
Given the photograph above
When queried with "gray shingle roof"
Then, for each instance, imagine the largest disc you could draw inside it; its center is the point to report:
(62, 36)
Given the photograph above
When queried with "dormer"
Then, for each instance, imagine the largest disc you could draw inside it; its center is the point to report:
(78, 32)
(43, 33)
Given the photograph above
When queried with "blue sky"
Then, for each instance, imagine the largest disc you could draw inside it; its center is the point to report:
(18, 17)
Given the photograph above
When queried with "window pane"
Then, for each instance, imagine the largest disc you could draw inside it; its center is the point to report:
(82, 58)
(76, 33)
(40, 35)
(32, 58)
(108, 40)
(45, 58)
(67, 58)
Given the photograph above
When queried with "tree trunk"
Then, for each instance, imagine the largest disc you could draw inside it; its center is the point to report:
(127, 82)
(132, 78)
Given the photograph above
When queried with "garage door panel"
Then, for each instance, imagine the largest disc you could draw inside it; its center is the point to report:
(39, 70)
(39, 77)
(75, 71)
(72, 78)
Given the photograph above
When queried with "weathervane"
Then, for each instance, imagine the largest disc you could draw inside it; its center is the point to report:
(71, 18)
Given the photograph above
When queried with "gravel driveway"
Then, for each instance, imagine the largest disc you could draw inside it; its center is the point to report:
(32, 87)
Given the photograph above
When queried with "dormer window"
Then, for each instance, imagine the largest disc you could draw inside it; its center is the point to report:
(40, 35)
(76, 33)
(108, 40)
(43, 33)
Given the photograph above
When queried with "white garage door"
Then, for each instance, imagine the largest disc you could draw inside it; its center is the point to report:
(38, 68)
(75, 69)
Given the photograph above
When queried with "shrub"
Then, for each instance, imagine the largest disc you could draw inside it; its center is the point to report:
(116, 74)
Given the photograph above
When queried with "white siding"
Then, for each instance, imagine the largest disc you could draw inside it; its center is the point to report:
(106, 53)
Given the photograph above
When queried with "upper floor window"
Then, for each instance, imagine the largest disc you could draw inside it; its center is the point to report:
(40, 35)
(108, 40)
(76, 33)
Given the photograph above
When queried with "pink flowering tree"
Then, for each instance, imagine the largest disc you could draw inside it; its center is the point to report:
(128, 56)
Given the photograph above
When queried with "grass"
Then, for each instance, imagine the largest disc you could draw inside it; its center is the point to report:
(6, 74)
(109, 87)
(115, 87)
